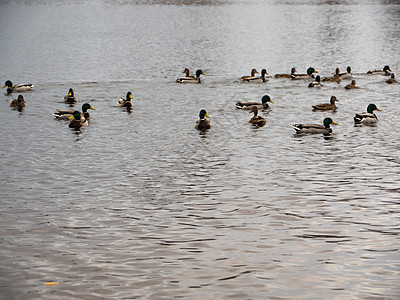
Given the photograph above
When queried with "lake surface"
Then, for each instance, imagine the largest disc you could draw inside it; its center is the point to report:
(140, 205)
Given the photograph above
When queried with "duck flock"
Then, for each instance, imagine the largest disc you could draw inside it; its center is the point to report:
(78, 119)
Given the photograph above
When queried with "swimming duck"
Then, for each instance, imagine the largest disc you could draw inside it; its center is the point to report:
(253, 75)
(125, 102)
(258, 79)
(203, 124)
(352, 85)
(315, 128)
(334, 78)
(327, 106)
(292, 72)
(385, 71)
(191, 79)
(260, 105)
(391, 79)
(256, 120)
(346, 75)
(21, 87)
(77, 121)
(309, 74)
(18, 103)
(316, 82)
(367, 118)
(70, 97)
(65, 115)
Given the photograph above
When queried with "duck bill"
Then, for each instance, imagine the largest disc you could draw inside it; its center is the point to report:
(92, 108)
(4, 86)
(378, 109)
(315, 71)
(71, 117)
(334, 123)
(272, 101)
(207, 115)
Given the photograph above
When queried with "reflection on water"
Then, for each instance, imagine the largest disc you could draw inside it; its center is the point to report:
(139, 204)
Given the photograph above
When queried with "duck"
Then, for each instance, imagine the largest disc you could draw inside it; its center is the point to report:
(203, 124)
(258, 79)
(256, 120)
(292, 72)
(191, 79)
(391, 79)
(347, 74)
(327, 106)
(260, 105)
(334, 78)
(77, 122)
(187, 73)
(367, 117)
(125, 102)
(352, 85)
(253, 75)
(315, 128)
(310, 72)
(18, 103)
(65, 115)
(385, 71)
(20, 87)
(70, 97)
(316, 82)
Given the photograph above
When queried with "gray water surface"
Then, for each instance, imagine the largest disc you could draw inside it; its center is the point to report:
(142, 206)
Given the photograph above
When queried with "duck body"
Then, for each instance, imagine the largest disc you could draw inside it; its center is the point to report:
(70, 97)
(257, 79)
(334, 78)
(292, 72)
(77, 122)
(346, 75)
(391, 79)
(327, 106)
(260, 105)
(367, 117)
(190, 79)
(351, 86)
(310, 72)
(65, 115)
(256, 120)
(19, 88)
(385, 71)
(315, 128)
(252, 76)
(18, 103)
(125, 102)
(203, 124)
(316, 82)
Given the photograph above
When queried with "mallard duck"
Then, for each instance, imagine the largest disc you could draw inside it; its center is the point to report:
(203, 124)
(70, 97)
(292, 72)
(65, 115)
(309, 74)
(327, 106)
(256, 120)
(21, 87)
(316, 82)
(18, 103)
(385, 71)
(125, 102)
(334, 78)
(258, 79)
(77, 121)
(191, 79)
(346, 75)
(260, 105)
(352, 85)
(367, 118)
(253, 75)
(391, 79)
(315, 128)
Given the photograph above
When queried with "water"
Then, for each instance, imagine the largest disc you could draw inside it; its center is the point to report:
(142, 206)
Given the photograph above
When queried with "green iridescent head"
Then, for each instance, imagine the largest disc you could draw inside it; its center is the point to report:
(310, 71)
(266, 99)
(8, 83)
(203, 114)
(198, 73)
(371, 108)
(86, 106)
(328, 122)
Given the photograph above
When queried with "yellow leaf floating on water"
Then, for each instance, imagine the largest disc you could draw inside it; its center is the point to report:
(51, 283)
